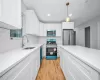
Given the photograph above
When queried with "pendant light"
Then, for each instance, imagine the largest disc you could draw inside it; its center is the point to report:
(68, 18)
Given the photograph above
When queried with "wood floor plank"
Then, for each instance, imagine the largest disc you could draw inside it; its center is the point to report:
(50, 70)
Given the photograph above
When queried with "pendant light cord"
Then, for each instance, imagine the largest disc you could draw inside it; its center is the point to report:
(67, 4)
(67, 11)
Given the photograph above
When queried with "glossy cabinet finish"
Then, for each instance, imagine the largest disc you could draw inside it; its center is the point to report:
(31, 23)
(26, 69)
(52, 26)
(75, 69)
(67, 25)
(41, 30)
(10, 14)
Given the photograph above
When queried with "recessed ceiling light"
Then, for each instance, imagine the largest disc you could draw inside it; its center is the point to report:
(49, 15)
(70, 15)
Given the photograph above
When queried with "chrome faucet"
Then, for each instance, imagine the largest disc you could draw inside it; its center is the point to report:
(23, 39)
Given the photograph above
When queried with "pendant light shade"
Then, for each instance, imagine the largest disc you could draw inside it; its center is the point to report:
(68, 18)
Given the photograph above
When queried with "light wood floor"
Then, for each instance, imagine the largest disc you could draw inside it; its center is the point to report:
(50, 70)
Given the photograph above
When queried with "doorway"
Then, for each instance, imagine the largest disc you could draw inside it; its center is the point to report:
(74, 37)
(87, 37)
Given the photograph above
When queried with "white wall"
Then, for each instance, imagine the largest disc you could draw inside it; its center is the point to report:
(32, 40)
(6, 43)
(94, 33)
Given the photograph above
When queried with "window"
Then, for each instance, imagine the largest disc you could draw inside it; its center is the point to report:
(16, 33)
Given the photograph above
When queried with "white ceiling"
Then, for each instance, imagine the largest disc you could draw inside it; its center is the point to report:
(80, 10)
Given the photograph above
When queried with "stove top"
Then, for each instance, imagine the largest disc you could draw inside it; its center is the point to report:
(51, 41)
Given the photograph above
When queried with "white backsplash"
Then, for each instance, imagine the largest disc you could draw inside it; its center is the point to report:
(6, 43)
(32, 40)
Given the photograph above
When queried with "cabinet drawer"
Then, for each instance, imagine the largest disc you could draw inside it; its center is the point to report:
(77, 74)
(70, 75)
(86, 72)
(10, 75)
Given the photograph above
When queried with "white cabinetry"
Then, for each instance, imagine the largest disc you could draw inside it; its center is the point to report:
(26, 69)
(10, 14)
(52, 26)
(67, 25)
(75, 69)
(41, 30)
(31, 23)
(47, 26)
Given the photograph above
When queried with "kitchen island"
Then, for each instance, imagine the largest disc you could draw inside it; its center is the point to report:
(20, 64)
(80, 63)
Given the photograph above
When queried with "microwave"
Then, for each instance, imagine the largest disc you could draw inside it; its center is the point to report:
(51, 33)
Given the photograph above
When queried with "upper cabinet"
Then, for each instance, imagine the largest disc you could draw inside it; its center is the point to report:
(67, 25)
(41, 30)
(52, 26)
(30, 23)
(10, 14)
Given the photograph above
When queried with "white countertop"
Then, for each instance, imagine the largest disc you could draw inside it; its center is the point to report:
(11, 58)
(89, 56)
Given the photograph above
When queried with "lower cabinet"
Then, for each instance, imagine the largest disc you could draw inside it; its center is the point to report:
(29, 71)
(74, 69)
(26, 69)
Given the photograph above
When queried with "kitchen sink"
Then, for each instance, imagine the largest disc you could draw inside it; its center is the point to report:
(29, 48)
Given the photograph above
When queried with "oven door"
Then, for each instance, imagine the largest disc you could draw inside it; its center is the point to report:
(51, 51)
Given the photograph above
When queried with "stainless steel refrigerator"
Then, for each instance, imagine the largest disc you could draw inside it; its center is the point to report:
(68, 37)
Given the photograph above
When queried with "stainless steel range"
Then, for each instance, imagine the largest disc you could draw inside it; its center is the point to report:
(51, 49)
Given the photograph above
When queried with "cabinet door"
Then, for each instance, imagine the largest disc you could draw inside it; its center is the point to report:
(11, 74)
(65, 65)
(58, 51)
(70, 75)
(35, 65)
(61, 57)
(67, 25)
(75, 69)
(33, 68)
(27, 69)
(11, 13)
(85, 72)
(58, 30)
(31, 23)
(25, 74)
(30, 70)
(41, 29)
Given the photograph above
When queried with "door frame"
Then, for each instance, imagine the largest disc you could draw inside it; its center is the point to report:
(89, 37)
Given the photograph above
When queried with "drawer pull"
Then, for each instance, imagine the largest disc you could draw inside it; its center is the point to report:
(71, 74)
(73, 62)
(22, 70)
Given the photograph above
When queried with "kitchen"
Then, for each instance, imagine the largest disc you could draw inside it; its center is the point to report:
(32, 32)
